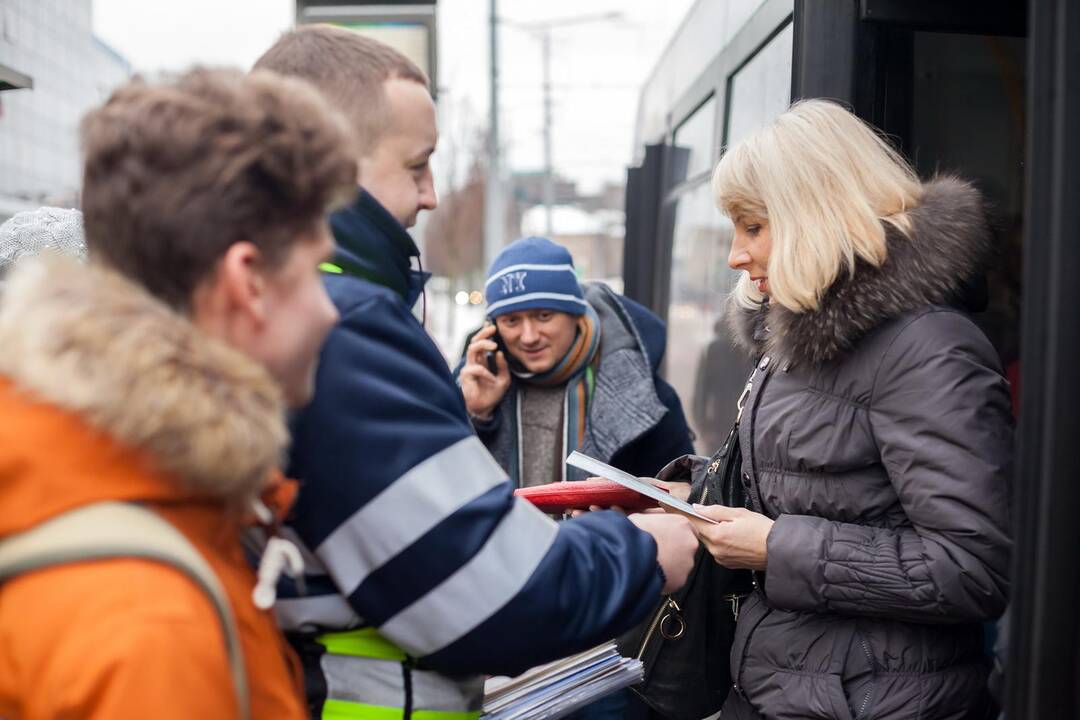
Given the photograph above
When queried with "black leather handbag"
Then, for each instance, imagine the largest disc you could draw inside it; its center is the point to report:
(685, 643)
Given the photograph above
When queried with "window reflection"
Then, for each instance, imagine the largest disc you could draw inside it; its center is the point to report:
(712, 26)
(701, 364)
(694, 142)
(969, 96)
(761, 89)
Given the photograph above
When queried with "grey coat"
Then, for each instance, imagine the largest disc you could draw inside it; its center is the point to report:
(879, 437)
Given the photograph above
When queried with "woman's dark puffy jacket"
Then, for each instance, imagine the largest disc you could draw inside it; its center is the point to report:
(879, 438)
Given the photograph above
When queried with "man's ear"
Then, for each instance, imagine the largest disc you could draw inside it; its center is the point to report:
(230, 303)
(241, 273)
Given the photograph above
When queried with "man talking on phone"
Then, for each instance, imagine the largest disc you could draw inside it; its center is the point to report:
(576, 370)
(565, 367)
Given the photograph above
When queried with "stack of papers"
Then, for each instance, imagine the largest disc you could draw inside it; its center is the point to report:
(557, 689)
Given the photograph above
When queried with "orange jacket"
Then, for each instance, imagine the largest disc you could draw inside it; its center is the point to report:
(129, 638)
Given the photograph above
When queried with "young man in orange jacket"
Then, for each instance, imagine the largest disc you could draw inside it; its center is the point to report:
(159, 375)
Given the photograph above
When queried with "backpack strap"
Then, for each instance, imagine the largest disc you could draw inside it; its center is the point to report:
(109, 530)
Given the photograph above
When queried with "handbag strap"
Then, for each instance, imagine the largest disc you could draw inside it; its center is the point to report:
(740, 404)
(730, 448)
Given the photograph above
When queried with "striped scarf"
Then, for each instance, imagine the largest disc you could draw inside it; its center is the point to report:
(576, 371)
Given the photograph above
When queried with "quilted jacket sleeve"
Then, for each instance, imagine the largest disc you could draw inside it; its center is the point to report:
(940, 413)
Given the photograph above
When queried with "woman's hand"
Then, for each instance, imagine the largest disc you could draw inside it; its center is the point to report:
(483, 390)
(739, 540)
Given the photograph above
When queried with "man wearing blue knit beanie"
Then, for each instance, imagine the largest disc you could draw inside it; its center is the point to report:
(574, 369)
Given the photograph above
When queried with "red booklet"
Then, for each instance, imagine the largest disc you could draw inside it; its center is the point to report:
(564, 496)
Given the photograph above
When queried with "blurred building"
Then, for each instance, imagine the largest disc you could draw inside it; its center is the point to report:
(591, 226)
(528, 188)
(53, 69)
(594, 238)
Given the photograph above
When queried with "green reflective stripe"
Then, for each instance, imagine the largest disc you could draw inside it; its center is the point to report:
(444, 715)
(366, 643)
(345, 266)
(344, 710)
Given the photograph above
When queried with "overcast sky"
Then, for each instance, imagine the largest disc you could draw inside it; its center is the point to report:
(597, 68)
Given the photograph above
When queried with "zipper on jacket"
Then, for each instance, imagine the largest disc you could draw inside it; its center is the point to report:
(721, 456)
(669, 608)
(870, 689)
(865, 702)
(708, 473)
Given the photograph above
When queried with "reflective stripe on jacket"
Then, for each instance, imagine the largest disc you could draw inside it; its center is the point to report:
(367, 676)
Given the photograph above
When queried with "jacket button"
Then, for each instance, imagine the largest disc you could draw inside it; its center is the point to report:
(746, 479)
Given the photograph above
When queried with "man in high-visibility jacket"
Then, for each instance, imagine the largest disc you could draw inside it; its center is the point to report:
(423, 570)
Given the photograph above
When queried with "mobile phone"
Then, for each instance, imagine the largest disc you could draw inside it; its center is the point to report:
(489, 357)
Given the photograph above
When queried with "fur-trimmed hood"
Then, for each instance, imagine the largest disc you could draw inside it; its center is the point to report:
(90, 342)
(950, 243)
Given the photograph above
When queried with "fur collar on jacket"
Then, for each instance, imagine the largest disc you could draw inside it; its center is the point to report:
(949, 244)
(91, 342)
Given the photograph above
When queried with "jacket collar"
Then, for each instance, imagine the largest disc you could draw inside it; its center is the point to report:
(950, 244)
(373, 245)
(624, 380)
(115, 386)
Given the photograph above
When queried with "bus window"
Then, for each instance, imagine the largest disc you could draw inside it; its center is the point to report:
(760, 89)
(701, 364)
(696, 139)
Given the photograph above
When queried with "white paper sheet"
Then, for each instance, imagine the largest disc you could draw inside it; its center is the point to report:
(594, 466)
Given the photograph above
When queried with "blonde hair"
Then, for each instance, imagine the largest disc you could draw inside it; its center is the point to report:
(826, 182)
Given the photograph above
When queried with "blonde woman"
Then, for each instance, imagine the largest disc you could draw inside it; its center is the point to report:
(876, 433)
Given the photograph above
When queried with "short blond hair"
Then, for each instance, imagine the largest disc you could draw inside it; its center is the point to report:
(827, 183)
(349, 69)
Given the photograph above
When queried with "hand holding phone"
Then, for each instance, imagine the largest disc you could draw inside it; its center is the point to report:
(491, 356)
(485, 377)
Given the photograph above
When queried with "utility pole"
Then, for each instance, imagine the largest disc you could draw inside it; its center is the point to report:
(543, 29)
(493, 199)
(549, 179)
